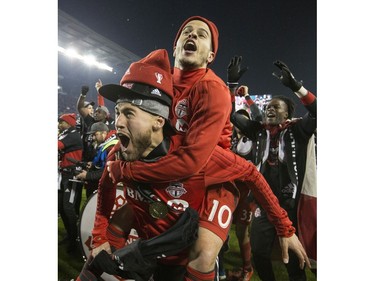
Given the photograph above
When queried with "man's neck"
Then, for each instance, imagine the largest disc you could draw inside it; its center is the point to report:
(159, 151)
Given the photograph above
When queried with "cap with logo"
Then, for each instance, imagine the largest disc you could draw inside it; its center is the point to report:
(147, 84)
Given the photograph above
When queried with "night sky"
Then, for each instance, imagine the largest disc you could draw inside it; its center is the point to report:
(258, 30)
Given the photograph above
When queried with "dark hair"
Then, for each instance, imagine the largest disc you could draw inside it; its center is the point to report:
(289, 103)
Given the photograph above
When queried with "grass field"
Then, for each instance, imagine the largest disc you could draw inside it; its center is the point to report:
(69, 265)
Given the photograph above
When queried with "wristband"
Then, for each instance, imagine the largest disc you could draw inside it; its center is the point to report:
(232, 85)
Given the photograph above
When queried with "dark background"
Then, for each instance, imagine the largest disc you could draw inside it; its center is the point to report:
(260, 31)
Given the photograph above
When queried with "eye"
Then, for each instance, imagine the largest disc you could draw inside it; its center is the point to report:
(202, 34)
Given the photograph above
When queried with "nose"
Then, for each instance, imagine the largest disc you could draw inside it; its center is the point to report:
(193, 34)
(120, 122)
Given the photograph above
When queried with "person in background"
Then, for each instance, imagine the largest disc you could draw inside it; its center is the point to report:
(110, 120)
(104, 142)
(88, 108)
(100, 114)
(69, 193)
(243, 214)
(280, 153)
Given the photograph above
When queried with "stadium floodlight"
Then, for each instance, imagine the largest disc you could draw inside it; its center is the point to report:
(88, 59)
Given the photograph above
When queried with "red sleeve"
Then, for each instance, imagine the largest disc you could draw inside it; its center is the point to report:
(269, 202)
(210, 107)
(308, 99)
(249, 101)
(224, 165)
(106, 200)
(100, 100)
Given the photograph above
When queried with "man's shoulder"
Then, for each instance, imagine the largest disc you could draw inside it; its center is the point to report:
(209, 81)
(212, 76)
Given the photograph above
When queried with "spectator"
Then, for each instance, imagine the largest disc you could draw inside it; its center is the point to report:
(69, 192)
(242, 216)
(88, 108)
(110, 120)
(280, 154)
(104, 142)
(101, 114)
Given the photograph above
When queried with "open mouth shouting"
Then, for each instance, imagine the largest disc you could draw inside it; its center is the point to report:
(124, 140)
(190, 46)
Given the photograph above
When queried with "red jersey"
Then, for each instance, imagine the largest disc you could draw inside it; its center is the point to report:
(177, 196)
(200, 113)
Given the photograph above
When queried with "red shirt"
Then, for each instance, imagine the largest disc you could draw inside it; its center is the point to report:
(200, 112)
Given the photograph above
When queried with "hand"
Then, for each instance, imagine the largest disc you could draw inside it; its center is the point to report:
(242, 91)
(114, 171)
(295, 245)
(84, 90)
(234, 71)
(98, 85)
(287, 77)
(81, 175)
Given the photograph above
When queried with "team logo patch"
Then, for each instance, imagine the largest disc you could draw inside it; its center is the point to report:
(176, 189)
(159, 77)
(181, 108)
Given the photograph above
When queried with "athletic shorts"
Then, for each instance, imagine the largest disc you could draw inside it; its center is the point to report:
(216, 212)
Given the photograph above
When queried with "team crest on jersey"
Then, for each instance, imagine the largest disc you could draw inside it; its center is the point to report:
(176, 189)
(181, 108)
(159, 77)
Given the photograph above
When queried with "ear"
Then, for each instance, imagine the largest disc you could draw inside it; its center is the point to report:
(158, 123)
(211, 57)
